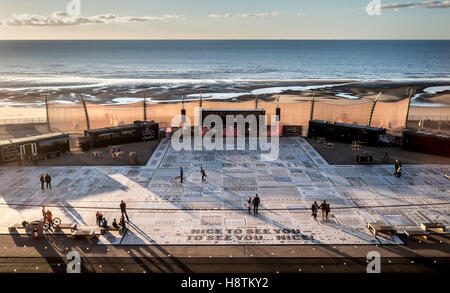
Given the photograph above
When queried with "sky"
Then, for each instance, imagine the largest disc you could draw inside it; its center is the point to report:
(224, 19)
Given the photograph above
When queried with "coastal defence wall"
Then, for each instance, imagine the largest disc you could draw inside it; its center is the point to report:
(350, 114)
(390, 115)
(76, 117)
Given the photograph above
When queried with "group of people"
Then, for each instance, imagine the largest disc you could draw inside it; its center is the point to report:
(202, 172)
(45, 178)
(324, 207)
(398, 168)
(103, 223)
(255, 203)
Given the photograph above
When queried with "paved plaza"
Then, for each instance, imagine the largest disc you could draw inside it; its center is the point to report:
(163, 211)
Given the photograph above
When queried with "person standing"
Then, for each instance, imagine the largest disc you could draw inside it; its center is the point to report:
(123, 209)
(97, 217)
(202, 171)
(256, 201)
(105, 224)
(249, 205)
(100, 219)
(48, 181)
(181, 174)
(42, 181)
(314, 209)
(327, 211)
(323, 207)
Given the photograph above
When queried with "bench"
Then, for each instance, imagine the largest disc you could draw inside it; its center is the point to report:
(416, 233)
(376, 229)
(88, 232)
(433, 227)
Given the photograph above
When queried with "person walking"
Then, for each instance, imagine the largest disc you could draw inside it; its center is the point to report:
(42, 181)
(397, 166)
(399, 171)
(202, 171)
(181, 174)
(314, 209)
(323, 207)
(249, 205)
(327, 211)
(123, 209)
(256, 201)
(48, 181)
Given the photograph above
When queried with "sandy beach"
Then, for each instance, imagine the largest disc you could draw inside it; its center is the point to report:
(431, 99)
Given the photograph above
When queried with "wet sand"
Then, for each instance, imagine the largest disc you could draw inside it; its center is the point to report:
(31, 104)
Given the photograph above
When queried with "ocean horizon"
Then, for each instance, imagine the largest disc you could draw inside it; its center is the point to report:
(28, 61)
(221, 69)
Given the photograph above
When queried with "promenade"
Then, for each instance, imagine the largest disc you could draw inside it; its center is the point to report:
(165, 212)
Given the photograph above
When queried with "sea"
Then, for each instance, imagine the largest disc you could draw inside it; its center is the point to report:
(166, 64)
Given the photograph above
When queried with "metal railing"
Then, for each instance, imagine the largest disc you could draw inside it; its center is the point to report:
(23, 121)
(430, 117)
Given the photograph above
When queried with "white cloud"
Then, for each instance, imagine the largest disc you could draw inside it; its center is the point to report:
(427, 4)
(60, 18)
(437, 4)
(244, 15)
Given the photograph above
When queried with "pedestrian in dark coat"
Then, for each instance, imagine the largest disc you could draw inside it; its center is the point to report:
(97, 218)
(202, 171)
(100, 219)
(123, 209)
(42, 181)
(48, 181)
(256, 202)
(249, 205)
(397, 166)
(314, 209)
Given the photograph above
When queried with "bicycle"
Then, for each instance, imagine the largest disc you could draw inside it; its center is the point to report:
(54, 223)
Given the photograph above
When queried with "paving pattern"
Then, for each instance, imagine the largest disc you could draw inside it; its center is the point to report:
(164, 211)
